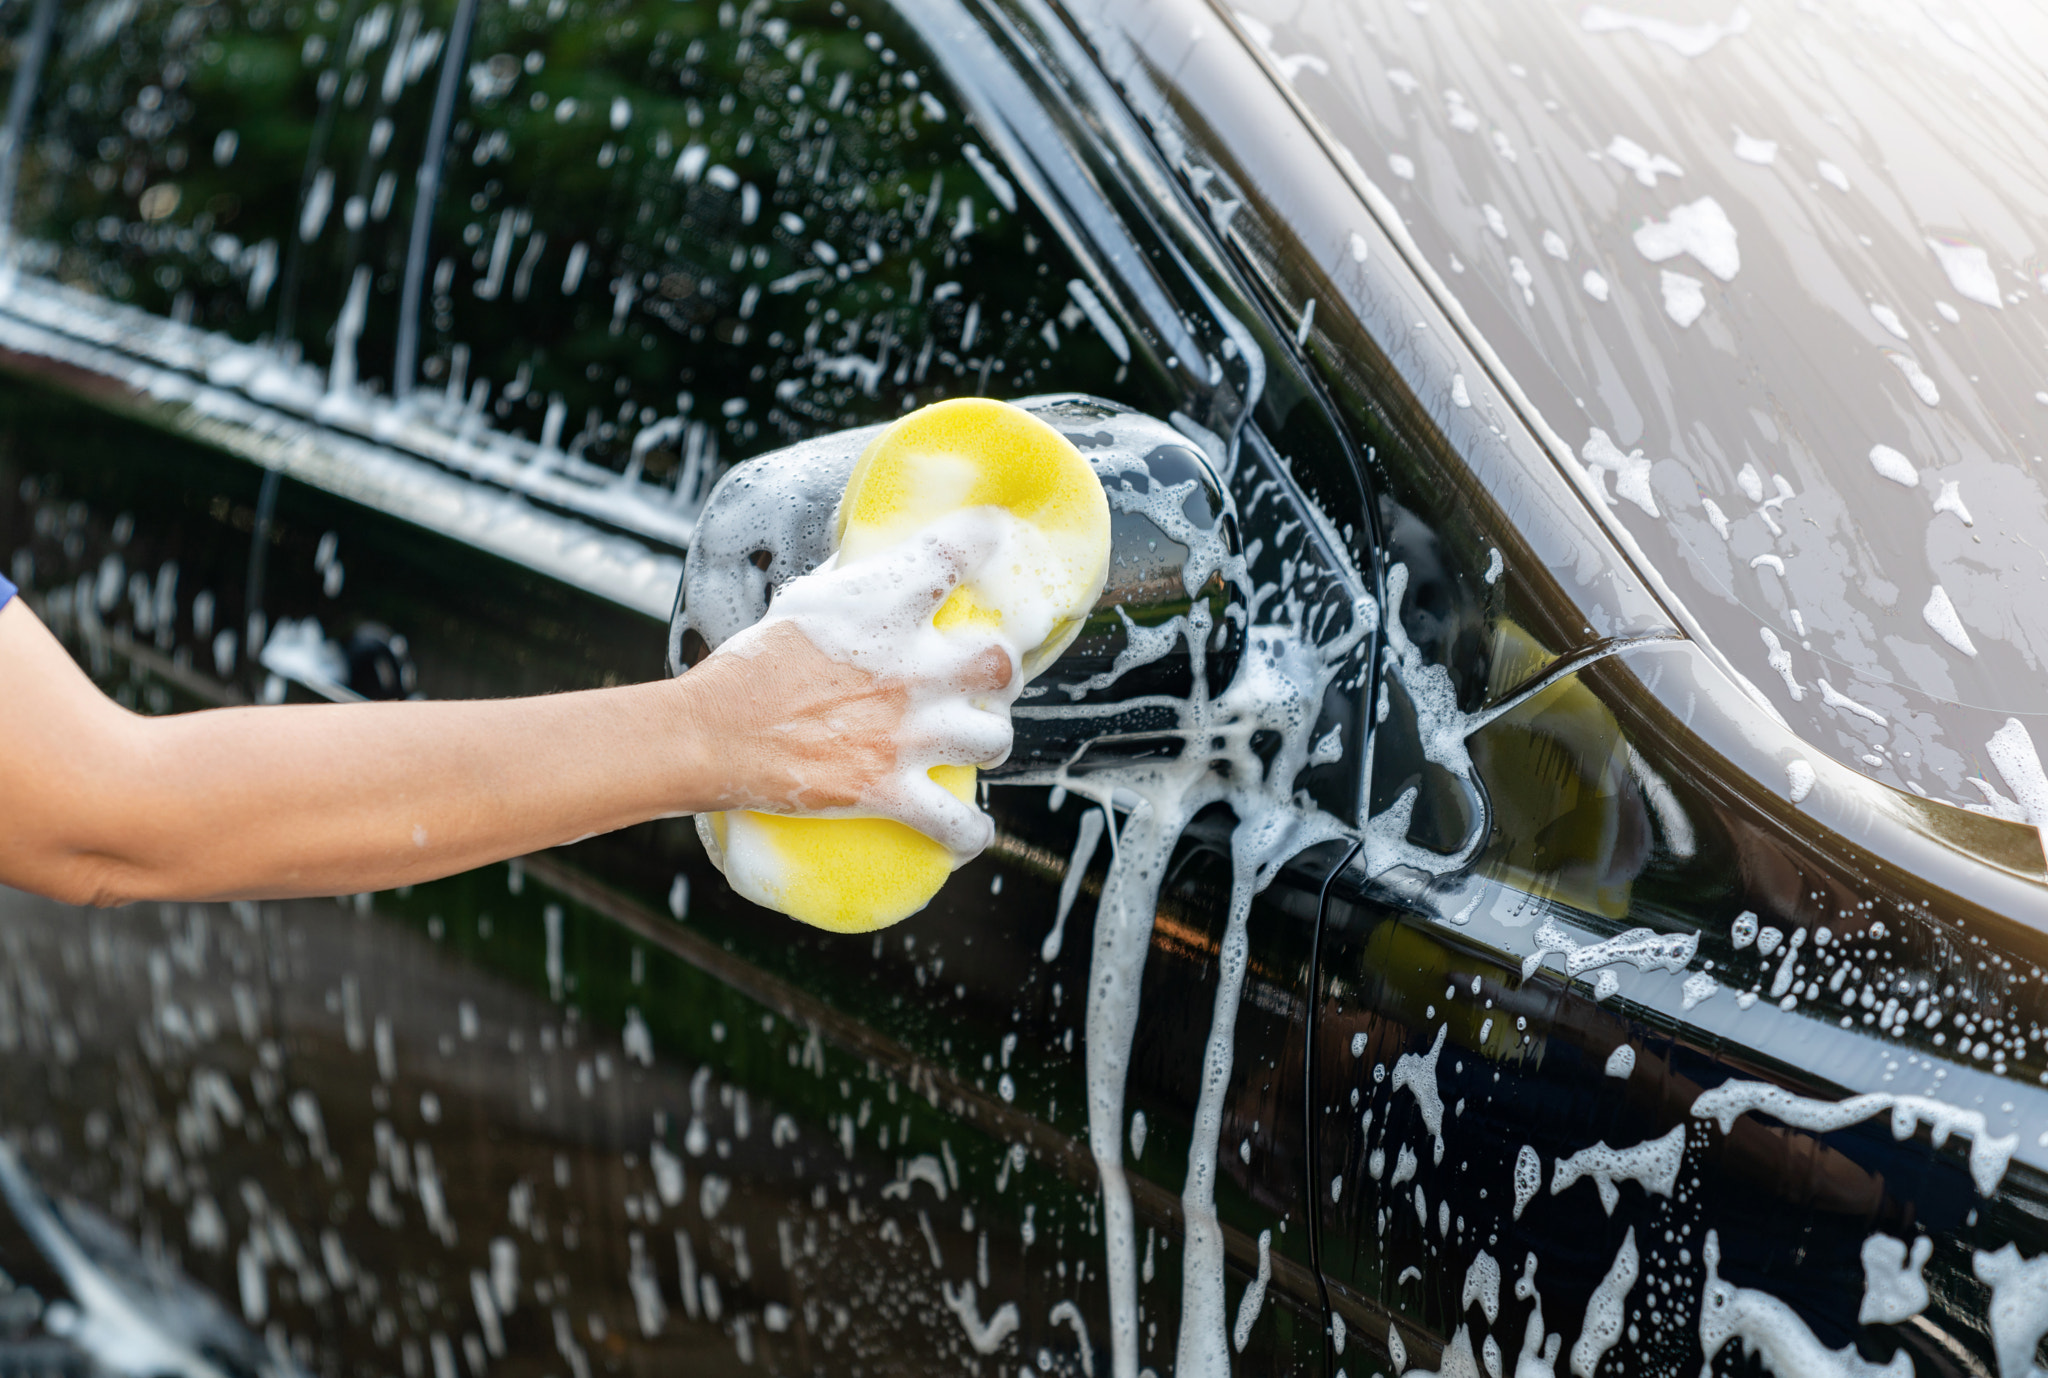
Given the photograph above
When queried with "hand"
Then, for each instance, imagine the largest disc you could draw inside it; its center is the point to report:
(842, 698)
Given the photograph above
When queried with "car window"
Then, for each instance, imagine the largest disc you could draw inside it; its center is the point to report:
(664, 234)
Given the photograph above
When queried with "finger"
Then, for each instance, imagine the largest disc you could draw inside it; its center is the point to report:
(956, 733)
(921, 803)
(985, 667)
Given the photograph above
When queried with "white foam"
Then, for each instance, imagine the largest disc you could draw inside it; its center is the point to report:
(2019, 1306)
(1832, 175)
(1699, 228)
(1595, 285)
(1773, 1332)
(1605, 1310)
(1890, 464)
(1742, 932)
(2012, 751)
(1653, 1163)
(1642, 948)
(1893, 1289)
(1622, 1061)
(1254, 1297)
(1482, 1286)
(1687, 40)
(103, 1317)
(1631, 471)
(1939, 612)
(1888, 318)
(1989, 1156)
(1916, 377)
(1416, 1072)
(1086, 839)
(1950, 499)
(1068, 1314)
(1278, 689)
(1762, 152)
(1457, 1360)
(1835, 698)
(1646, 166)
(1695, 988)
(1780, 659)
(1799, 779)
(1969, 271)
(1528, 1179)
(1685, 297)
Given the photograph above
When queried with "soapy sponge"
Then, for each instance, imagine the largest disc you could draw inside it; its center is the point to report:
(851, 875)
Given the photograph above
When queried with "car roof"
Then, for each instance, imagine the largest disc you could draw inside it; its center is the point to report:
(1774, 279)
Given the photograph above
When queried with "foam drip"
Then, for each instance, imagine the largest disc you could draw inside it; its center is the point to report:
(1773, 1332)
(1290, 661)
(1989, 1156)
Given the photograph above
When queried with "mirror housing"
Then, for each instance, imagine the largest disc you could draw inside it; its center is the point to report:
(1174, 545)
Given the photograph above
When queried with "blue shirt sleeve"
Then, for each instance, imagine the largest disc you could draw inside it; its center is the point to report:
(7, 590)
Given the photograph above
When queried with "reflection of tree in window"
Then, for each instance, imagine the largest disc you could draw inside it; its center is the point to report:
(737, 228)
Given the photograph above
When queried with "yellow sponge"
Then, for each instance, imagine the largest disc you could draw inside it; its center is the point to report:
(851, 875)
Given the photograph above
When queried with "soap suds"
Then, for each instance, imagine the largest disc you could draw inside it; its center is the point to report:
(1631, 471)
(1653, 1163)
(1940, 614)
(1528, 1179)
(1254, 1297)
(1762, 152)
(1687, 40)
(1950, 499)
(1416, 1072)
(1969, 271)
(1699, 228)
(1989, 1156)
(1086, 838)
(1774, 1333)
(985, 1336)
(1893, 1289)
(1890, 464)
(1685, 297)
(2019, 1306)
(1799, 779)
(1646, 166)
(1916, 377)
(1605, 1313)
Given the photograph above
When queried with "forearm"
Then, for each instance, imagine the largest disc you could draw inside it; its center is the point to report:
(335, 798)
(100, 805)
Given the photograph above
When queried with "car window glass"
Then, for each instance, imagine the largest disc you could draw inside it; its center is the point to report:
(705, 229)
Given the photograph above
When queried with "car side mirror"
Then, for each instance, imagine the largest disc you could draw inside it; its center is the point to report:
(1174, 597)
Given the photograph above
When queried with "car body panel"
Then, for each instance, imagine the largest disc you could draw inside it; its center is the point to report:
(1871, 278)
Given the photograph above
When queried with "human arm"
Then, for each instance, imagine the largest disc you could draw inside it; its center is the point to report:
(103, 806)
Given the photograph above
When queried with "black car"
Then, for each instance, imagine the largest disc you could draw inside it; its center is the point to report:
(1533, 867)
